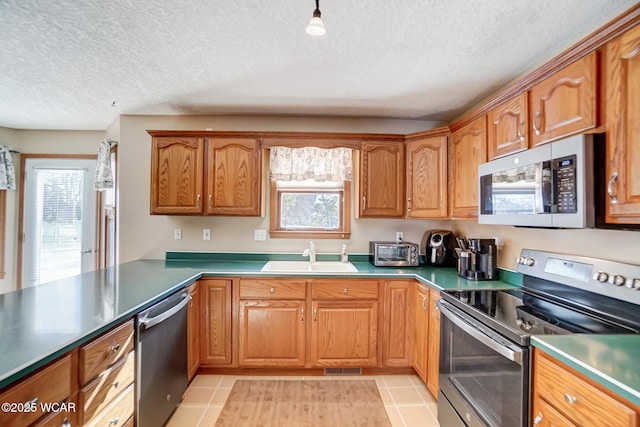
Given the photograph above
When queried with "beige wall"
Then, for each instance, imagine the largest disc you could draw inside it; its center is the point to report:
(36, 142)
(145, 236)
(616, 245)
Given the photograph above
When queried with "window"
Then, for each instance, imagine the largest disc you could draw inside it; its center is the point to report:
(310, 192)
(310, 209)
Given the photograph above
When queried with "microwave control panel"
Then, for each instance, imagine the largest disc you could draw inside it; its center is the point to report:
(566, 191)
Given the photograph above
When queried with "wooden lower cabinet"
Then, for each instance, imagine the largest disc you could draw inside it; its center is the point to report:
(193, 331)
(398, 323)
(272, 333)
(565, 397)
(433, 348)
(344, 333)
(421, 330)
(215, 302)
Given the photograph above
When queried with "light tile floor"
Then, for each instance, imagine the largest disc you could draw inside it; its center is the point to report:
(405, 397)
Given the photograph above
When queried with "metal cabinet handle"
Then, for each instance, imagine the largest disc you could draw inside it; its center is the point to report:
(31, 403)
(570, 399)
(115, 347)
(536, 119)
(210, 201)
(65, 423)
(116, 384)
(364, 203)
(272, 290)
(424, 303)
(537, 419)
(315, 314)
(301, 314)
(114, 421)
(198, 201)
(409, 204)
(345, 291)
(520, 132)
(612, 197)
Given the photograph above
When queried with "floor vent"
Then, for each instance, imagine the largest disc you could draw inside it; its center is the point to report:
(343, 371)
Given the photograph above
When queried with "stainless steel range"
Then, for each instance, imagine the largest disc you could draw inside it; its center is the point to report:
(485, 335)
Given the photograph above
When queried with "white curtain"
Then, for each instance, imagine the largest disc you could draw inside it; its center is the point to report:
(319, 164)
(104, 174)
(7, 171)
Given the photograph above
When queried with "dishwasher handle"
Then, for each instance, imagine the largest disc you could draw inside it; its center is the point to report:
(151, 322)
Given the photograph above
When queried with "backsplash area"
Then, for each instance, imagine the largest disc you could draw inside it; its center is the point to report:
(616, 245)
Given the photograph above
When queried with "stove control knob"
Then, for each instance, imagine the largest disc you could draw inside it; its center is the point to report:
(530, 261)
(601, 276)
(633, 284)
(616, 280)
(520, 260)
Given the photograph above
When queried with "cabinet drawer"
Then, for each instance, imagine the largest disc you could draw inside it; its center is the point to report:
(104, 351)
(98, 394)
(118, 413)
(345, 289)
(67, 414)
(52, 384)
(277, 289)
(576, 398)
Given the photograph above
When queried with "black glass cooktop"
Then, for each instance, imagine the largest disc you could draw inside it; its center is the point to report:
(518, 314)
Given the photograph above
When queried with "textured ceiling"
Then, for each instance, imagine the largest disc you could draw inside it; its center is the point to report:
(64, 62)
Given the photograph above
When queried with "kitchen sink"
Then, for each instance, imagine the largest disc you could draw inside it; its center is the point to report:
(310, 267)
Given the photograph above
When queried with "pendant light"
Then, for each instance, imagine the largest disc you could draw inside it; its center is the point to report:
(316, 27)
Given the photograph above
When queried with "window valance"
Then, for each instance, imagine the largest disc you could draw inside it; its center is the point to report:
(319, 164)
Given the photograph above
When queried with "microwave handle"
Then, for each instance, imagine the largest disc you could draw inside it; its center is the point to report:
(514, 356)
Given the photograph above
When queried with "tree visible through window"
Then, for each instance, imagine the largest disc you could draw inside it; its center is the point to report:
(310, 210)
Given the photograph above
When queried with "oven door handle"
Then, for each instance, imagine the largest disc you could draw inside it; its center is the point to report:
(512, 355)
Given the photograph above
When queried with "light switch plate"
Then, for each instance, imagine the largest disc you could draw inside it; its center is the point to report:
(260, 235)
(177, 233)
(206, 234)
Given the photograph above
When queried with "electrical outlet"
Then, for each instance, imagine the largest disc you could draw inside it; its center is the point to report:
(260, 235)
(177, 233)
(206, 234)
(399, 236)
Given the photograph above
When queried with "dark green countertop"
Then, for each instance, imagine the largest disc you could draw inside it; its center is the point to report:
(610, 360)
(40, 323)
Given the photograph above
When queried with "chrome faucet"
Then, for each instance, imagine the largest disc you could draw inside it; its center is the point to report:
(311, 252)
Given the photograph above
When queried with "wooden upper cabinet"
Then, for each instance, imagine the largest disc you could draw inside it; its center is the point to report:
(427, 178)
(382, 179)
(622, 74)
(565, 103)
(177, 168)
(234, 177)
(468, 150)
(507, 127)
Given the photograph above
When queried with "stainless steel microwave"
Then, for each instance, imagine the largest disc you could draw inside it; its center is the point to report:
(392, 254)
(547, 186)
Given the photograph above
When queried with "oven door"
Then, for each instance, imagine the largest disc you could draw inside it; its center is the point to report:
(484, 378)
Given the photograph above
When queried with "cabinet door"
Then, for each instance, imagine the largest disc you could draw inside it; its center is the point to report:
(421, 335)
(234, 177)
(272, 333)
(216, 343)
(177, 175)
(193, 331)
(397, 336)
(433, 352)
(623, 128)
(427, 178)
(344, 333)
(468, 150)
(564, 103)
(382, 179)
(507, 127)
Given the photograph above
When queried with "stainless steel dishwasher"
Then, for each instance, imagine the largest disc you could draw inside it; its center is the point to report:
(162, 359)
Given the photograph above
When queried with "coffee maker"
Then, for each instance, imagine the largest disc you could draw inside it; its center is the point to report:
(438, 247)
(478, 259)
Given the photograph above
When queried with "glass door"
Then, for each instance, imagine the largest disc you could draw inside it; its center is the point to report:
(59, 219)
